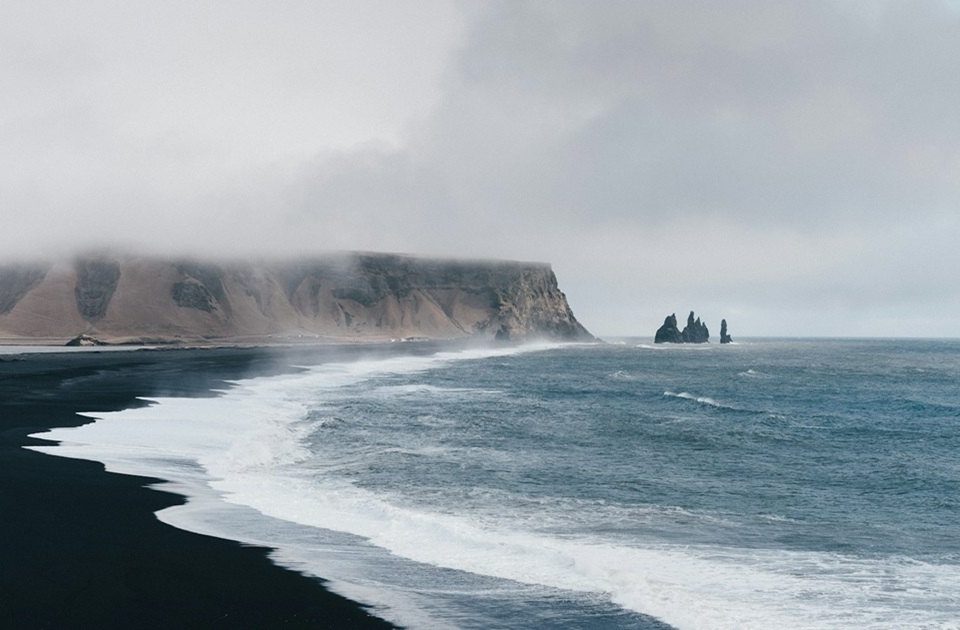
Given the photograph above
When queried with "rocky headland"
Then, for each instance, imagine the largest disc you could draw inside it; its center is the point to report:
(338, 297)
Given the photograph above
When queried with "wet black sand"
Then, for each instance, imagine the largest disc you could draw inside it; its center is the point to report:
(80, 547)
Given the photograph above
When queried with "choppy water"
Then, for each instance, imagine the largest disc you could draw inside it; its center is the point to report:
(793, 483)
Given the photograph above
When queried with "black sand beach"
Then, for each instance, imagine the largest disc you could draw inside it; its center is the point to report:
(80, 547)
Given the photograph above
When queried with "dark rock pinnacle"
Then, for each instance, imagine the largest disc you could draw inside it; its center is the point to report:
(724, 337)
(669, 333)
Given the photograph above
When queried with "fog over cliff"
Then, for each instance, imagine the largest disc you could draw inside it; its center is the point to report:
(793, 167)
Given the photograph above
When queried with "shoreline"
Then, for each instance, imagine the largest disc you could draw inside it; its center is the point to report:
(83, 547)
(250, 341)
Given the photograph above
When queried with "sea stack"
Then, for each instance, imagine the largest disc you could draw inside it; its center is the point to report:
(724, 337)
(669, 333)
(695, 331)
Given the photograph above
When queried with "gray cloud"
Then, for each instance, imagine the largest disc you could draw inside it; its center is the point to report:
(792, 166)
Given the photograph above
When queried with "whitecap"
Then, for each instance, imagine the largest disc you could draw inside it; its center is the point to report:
(703, 400)
(423, 389)
(751, 373)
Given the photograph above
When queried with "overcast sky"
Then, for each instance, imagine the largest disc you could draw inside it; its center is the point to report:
(791, 166)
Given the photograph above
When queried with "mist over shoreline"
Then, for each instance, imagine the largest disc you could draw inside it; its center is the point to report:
(788, 165)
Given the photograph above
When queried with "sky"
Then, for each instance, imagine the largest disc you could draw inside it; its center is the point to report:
(793, 167)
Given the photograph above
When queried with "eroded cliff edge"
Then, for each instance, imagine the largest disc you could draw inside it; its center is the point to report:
(341, 296)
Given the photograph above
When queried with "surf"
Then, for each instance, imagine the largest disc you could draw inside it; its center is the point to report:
(249, 461)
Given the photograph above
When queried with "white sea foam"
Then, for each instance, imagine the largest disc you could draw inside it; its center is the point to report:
(712, 402)
(703, 400)
(777, 518)
(751, 373)
(422, 389)
(248, 448)
(690, 587)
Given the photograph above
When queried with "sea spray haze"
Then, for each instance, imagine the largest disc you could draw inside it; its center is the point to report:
(802, 484)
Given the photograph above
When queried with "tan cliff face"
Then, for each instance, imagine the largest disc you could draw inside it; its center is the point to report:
(344, 296)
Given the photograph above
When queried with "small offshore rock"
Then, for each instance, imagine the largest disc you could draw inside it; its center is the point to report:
(85, 340)
(724, 337)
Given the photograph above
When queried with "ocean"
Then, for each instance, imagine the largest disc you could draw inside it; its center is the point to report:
(767, 483)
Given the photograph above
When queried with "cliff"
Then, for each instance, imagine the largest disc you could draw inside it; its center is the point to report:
(343, 296)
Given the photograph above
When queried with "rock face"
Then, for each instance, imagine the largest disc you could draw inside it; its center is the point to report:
(16, 281)
(669, 333)
(724, 337)
(96, 281)
(343, 296)
(695, 331)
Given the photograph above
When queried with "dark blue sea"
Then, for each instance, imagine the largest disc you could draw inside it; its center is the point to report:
(763, 484)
